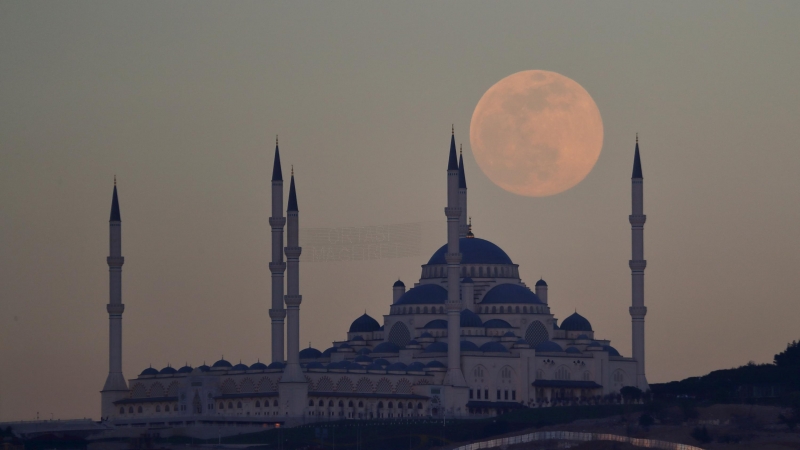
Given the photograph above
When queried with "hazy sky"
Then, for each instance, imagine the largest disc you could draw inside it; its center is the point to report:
(182, 101)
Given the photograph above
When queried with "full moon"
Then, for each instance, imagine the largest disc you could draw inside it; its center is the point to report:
(536, 133)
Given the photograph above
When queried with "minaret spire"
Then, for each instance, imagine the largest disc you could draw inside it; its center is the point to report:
(277, 267)
(637, 265)
(462, 196)
(115, 387)
(453, 212)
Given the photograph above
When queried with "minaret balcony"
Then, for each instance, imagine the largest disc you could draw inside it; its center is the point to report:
(452, 258)
(277, 314)
(637, 265)
(117, 261)
(453, 213)
(293, 300)
(117, 308)
(293, 252)
(277, 268)
(638, 311)
(637, 219)
(277, 222)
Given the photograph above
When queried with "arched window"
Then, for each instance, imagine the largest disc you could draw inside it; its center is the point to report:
(311, 403)
(380, 405)
(130, 409)
(330, 403)
(587, 376)
(480, 271)
(525, 309)
(221, 405)
(501, 310)
(517, 310)
(158, 408)
(494, 309)
(390, 405)
(230, 405)
(410, 406)
(239, 405)
(321, 403)
(341, 404)
(258, 404)
(360, 404)
(275, 403)
(122, 410)
(417, 309)
(139, 410)
(425, 310)
(419, 405)
(400, 405)
(562, 373)
(166, 408)
(350, 403)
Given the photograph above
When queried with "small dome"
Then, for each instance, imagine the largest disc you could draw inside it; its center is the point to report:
(511, 293)
(204, 368)
(344, 345)
(398, 283)
(496, 323)
(412, 342)
(541, 282)
(185, 369)
(426, 335)
(521, 343)
(222, 364)
(576, 322)
(438, 324)
(435, 365)
(357, 339)
(381, 362)
(470, 319)
(436, 347)
(509, 334)
(364, 324)
(611, 350)
(474, 251)
(583, 336)
(364, 351)
(374, 366)
(338, 365)
(416, 366)
(315, 365)
(494, 347)
(469, 346)
(423, 294)
(149, 371)
(467, 280)
(328, 352)
(276, 365)
(259, 366)
(363, 359)
(594, 344)
(167, 371)
(310, 353)
(397, 367)
(386, 347)
(572, 350)
(352, 365)
(548, 346)
(240, 366)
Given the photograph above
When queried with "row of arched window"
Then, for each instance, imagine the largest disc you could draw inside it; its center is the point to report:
(139, 409)
(504, 271)
(510, 310)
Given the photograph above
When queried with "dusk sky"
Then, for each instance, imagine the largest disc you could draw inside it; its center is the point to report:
(182, 102)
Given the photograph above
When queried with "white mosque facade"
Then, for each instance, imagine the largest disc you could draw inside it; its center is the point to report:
(469, 339)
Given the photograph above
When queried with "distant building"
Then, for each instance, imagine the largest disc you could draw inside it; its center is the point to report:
(470, 338)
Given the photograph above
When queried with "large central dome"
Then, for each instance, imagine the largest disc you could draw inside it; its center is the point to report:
(474, 251)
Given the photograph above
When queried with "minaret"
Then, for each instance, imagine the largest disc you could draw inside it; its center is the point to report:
(115, 388)
(462, 196)
(453, 212)
(277, 266)
(637, 265)
(293, 388)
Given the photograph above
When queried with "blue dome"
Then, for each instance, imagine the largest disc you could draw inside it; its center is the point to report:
(496, 323)
(240, 366)
(315, 365)
(416, 366)
(167, 371)
(576, 322)
(474, 251)
(276, 365)
(583, 336)
(470, 319)
(222, 363)
(398, 283)
(364, 324)
(357, 338)
(363, 359)
(204, 368)
(511, 293)
(494, 347)
(572, 350)
(426, 335)
(436, 324)
(594, 344)
(412, 342)
(435, 365)
(423, 294)
(344, 345)
(611, 350)
(386, 347)
(328, 352)
(374, 366)
(258, 366)
(185, 369)
(352, 365)
(469, 346)
(398, 366)
(338, 365)
(149, 371)
(436, 347)
(541, 282)
(381, 362)
(549, 346)
(364, 351)
(509, 334)
(310, 353)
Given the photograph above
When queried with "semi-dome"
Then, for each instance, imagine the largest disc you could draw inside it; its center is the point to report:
(222, 364)
(511, 293)
(423, 294)
(469, 346)
(185, 369)
(386, 347)
(398, 283)
(310, 353)
(572, 350)
(381, 362)
(541, 282)
(258, 366)
(576, 322)
(474, 251)
(548, 346)
(467, 280)
(496, 323)
(509, 334)
(149, 371)
(364, 324)
(425, 335)
(436, 347)
(204, 368)
(240, 366)
(276, 365)
(470, 319)
(416, 366)
(436, 324)
(328, 352)
(494, 347)
(611, 350)
(167, 371)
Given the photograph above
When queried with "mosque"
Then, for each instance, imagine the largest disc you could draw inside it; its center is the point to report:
(469, 339)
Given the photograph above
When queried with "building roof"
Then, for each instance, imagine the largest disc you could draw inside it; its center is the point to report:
(493, 405)
(423, 294)
(149, 371)
(548, 346)
(469, 346)
(611, 350)
(292, 206)
(470, 319)
(436, 324)
(240, 366)
(637, 163)
(277, 175)
(462, 178)
(310, 353)
(115, 206)
(452, 162)
(435, 365)
(222, 363)
(399, 283)
(496, 323)
(474, 251)
(386, 347)
(276, 365)
(364, 324)
(258, 366)
(576, 322)
(572, 350)
(511, 293)
(185, 369)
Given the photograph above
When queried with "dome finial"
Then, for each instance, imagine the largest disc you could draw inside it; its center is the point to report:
(453, 129)
(276, 140)
(460, 149)
(292, 169)
(115, 179)
(637, 137)
(469, 230)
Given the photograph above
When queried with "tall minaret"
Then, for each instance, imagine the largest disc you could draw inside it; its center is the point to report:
(453, 212)
(277, 266)
(462, 196)
(637, 265)
(115, 388)
(293, 387)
